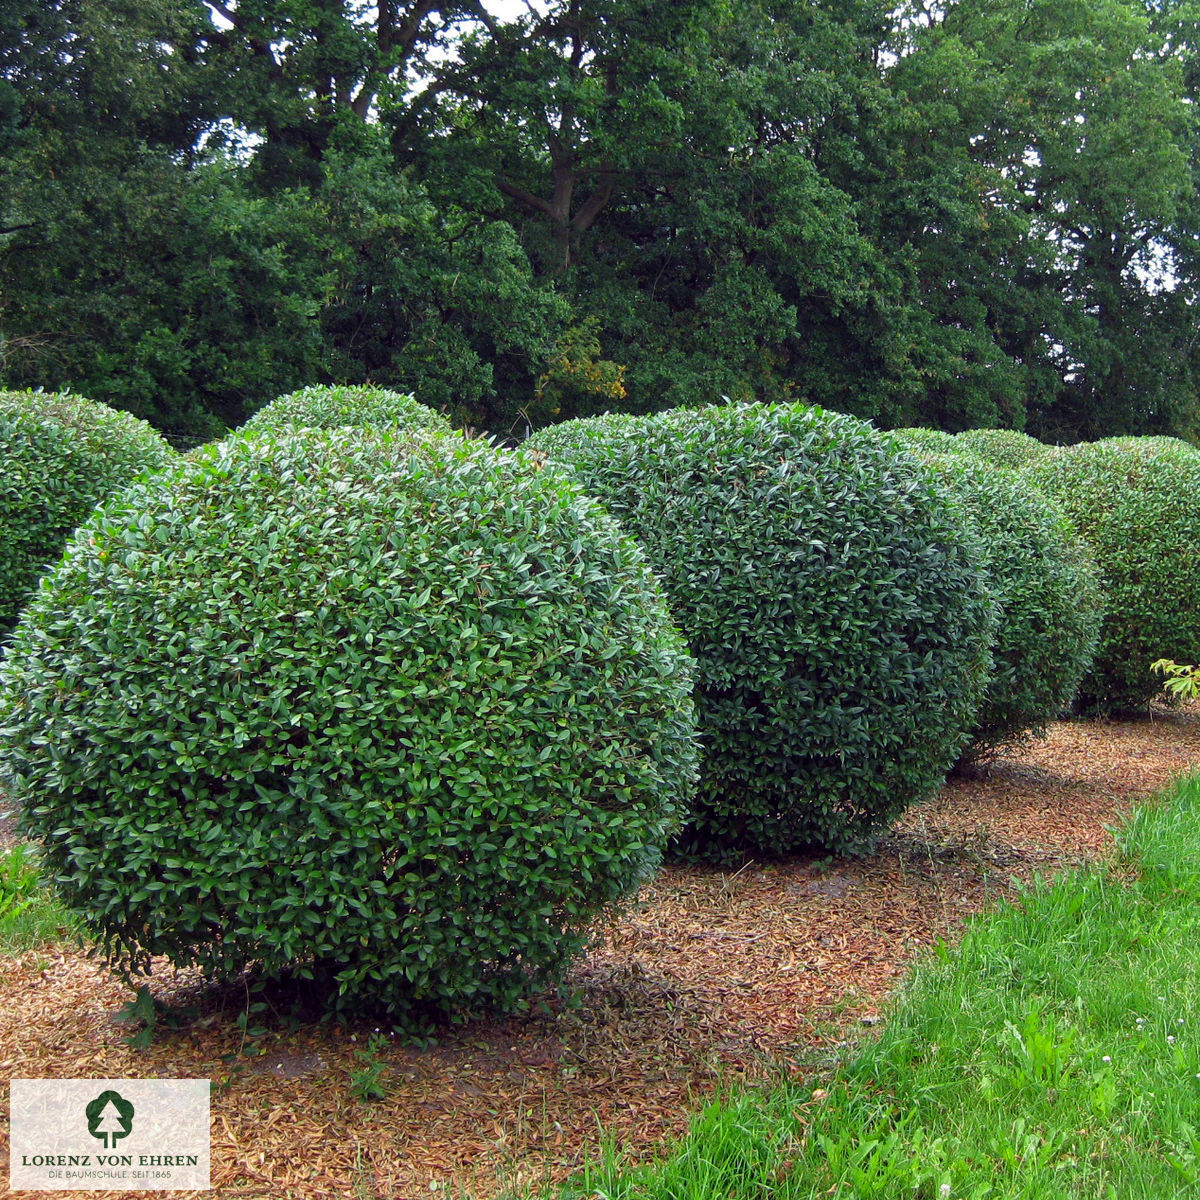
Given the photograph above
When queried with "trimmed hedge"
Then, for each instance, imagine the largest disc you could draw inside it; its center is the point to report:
(60, 455)
(1151, 443)
(1004, 447)
(1138, 508)
(1050, 603)
(398, 713)
(834, 601)
(338, 407)
(920, 440)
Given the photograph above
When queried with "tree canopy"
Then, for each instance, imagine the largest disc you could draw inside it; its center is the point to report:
(954, 214)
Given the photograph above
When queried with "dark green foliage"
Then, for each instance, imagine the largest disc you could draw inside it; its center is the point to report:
(395, 711)
(979, 213)
(443, 306)
(1045, 583)
(173, 294)
(61, 455)
(1138, 507)
(831, 595)
(1044, 157)
(1004, 447)
(335, 407)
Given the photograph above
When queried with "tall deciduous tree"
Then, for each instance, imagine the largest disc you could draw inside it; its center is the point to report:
(963, 213)
(564, 110)
(166, 247)
(1070, 120)
(98, 204)
(663, 166)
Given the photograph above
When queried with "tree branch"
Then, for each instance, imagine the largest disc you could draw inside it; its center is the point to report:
(405, 34)
(484, 17)
(391, 35)
(521, 196)
(594, 205)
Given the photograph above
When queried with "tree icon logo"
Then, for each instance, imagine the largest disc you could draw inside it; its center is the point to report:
(109, 1117)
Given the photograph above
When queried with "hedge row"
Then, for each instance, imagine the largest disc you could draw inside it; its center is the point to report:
(401, 711)
(1136, 501)
(344, 407)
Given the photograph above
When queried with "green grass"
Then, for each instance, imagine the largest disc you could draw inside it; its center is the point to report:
(1053, 1054)
(29, 915)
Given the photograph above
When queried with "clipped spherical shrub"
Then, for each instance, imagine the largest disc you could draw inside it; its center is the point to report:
(1138, 508)
(1004, 447)
(400, 713)
(60, 455)
(1045, 583)
(926, 441)
(832, 597)
(337, 407)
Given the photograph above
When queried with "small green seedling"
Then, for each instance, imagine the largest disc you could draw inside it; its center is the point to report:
(366, 1084)
(1182, 681)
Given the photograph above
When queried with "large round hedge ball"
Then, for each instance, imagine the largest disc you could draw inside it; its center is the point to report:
(1138, 508)
(1004, 447)
(337, 407)
(832, 596)
(60, 455)
(403, 713)
(1046, 585)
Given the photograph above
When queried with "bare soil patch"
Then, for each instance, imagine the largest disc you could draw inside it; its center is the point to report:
(710, 978)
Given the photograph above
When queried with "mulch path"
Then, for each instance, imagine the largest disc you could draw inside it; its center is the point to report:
(710, 978)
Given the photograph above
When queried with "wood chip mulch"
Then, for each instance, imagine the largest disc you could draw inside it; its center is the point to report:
(710, 978)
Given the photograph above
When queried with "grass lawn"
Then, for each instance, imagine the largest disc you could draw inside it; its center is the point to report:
(28, 914)
(1053, 1053)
